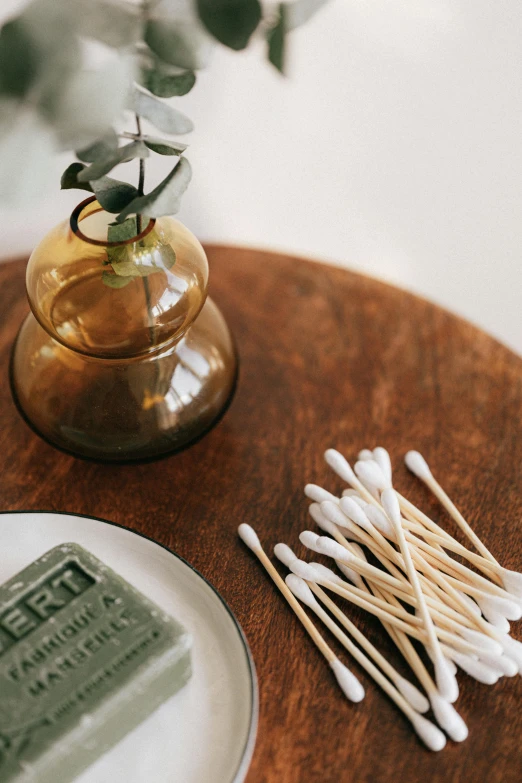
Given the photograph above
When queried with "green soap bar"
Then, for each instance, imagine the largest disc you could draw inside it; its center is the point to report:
(84, 658)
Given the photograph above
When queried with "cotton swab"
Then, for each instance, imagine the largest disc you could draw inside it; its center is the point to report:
(417, 464)
(347, 681)
(446, 715)
(412, 694)
(427, 731)
(446, 682)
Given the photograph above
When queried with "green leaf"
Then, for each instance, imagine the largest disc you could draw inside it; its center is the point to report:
(27, 152)
(231, 22)
(70, 180)
(164, 146)
(179, 42)
(98, 169)
(276, 40)
(112, 194)
(92, 101)
(101, 148)
(299, 12)
(112, 280)
(120, 232)
(165, 198)
(19, 59)
(166, 85)
(116, 25)
(164, 117)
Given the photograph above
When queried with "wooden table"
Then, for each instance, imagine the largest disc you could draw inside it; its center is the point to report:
(328, 358)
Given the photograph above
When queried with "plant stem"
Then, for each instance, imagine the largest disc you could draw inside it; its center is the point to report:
(146, 289)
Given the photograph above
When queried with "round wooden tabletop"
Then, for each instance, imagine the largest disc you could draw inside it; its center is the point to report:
(328, 358)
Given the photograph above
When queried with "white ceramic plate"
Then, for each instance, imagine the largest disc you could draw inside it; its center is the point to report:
(206, 732)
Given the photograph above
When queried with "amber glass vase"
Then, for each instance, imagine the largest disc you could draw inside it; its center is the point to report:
(123, 356)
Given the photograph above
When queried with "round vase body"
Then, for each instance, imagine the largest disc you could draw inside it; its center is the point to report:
(123, 356)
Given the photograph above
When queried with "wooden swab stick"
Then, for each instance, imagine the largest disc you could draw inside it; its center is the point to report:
(427, 731)
(418, 465)
(417, 521)
(446, 682)
(446, 715)
(412, 695)
(512, 580)
(335, 514)
(348, 682)
(412, 628)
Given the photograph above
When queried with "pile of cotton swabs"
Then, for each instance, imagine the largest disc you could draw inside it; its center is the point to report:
(460, 616)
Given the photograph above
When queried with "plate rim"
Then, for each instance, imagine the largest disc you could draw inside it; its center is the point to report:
(249, 746)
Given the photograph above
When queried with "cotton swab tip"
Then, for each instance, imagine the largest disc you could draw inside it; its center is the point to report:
(340, 465)
(448, 718)
(354, 512)
(348, 682)
(365, 454)
(309, 539)
(507, 665)
(413, 696)
(479, 670)
(248, 535)
(513, 649)
(325, 574)
(371, 474)
(321, 520)
(318, 494)
(380, 521)
(480, 640)
(390, 503)
(301, 590)
(446, 680)
(432, 737)
(335, 514)
(417, 464)
(497, 605)
(284, 554)
(512, 582)
(302, 569)
(331, 548)
(382, 458)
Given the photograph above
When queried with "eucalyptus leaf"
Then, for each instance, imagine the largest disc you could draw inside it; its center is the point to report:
(27, 149)
(166, 118)
(165, 198)
(130, 268)
(120, 232)
(19, 59)
(115, 281)
(276, 40)
(92, 101)
(70, 180)
(164, 146)
(98, 169)
(166, 85)
(114, 23)
(112, 194)
(231, 22)
(52, 41)
(179, 41)
(299, 12)
(101, 148)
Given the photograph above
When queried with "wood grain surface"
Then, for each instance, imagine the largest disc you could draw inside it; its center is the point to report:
(328, 358)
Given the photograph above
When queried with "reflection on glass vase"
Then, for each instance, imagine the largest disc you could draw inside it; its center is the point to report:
(123, 356)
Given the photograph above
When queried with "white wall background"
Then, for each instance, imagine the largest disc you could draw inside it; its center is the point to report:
(394, 148)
